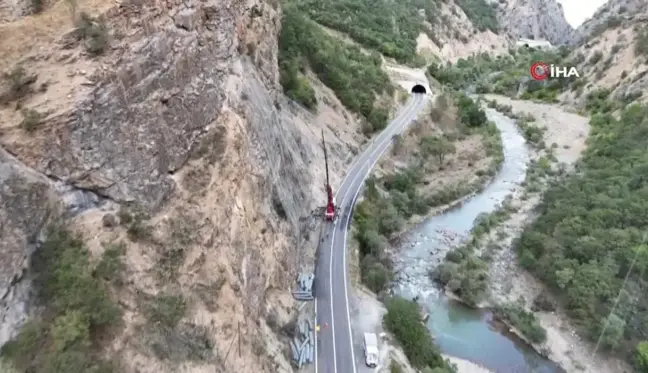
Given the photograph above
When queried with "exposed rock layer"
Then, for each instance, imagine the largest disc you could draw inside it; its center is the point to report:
(536, 19)
(28, 202)
(184, 117)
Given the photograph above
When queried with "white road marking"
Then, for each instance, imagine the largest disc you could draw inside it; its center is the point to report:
(404, 115)
(315, 325)
(331, 299)
(358, 159)
(344, 253)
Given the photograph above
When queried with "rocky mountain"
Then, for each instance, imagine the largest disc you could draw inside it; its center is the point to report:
(613, 12)
(11, 10)
(535, 19)
(162, 126)
(613, 52)
(29, 202)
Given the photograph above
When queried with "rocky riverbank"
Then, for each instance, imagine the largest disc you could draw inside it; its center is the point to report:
(456, 162)
(564, 138)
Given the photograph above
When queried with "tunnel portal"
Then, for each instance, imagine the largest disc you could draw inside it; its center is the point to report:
(419, 89)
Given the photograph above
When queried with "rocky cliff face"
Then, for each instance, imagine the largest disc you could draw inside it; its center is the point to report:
(611, 53)
(28, 202)
(535, 19)
(613, 11)
(11, 10)
(143, 110)
(183, 117)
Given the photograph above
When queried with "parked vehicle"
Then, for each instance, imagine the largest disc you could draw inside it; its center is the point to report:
(370, 348)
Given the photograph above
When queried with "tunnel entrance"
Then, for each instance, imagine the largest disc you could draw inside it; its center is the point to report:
(418, 89)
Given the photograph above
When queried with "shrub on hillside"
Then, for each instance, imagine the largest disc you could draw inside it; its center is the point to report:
(356, 78)
(590, 231)
(641, 42)
(78, 313)
(641, 357)
(94, 32)
(481, 13)
(469, 112)
(403, 320)
(523, 320)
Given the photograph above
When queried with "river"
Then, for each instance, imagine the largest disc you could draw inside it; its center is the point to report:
(459, 331)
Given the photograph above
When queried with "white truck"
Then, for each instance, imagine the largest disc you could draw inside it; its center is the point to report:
(370, 348)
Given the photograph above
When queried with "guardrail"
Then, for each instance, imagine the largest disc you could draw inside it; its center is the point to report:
(303, 345)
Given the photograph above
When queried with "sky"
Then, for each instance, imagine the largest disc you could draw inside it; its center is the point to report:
(577, 11)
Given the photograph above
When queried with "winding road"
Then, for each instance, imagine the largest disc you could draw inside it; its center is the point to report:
(334, 351)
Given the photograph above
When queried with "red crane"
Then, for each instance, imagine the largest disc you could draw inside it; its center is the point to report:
(330, 212)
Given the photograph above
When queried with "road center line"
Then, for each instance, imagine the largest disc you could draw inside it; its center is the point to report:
(348, 219)
(389, 138)
(372, 143)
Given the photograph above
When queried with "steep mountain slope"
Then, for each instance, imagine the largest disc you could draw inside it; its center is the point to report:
(536, 19)
(170, 116)
(613, 54)
(609, 14)
(159, 133)
(458, 29)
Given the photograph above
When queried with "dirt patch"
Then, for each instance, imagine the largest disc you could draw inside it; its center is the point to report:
(367, 317)
(567, 130)
(41, 31)
(508, 281)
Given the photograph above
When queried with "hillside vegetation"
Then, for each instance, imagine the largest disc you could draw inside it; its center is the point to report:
(388, 27)
(79, 313)
(482, 14)
(507, 74)
(391, 27)
(390, 200)
(356, 78)
(592, 230)
(403, 320)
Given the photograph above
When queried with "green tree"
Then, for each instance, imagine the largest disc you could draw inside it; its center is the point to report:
(564, 277)
(641, 357)
(470, 113)
(612, 331)
(403, 320)
(356, 78)
(589, 235)
(438, 147)
(375, 274)
(70, 329)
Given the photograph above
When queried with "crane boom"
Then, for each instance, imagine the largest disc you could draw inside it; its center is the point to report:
(325, 159)
(329, 214)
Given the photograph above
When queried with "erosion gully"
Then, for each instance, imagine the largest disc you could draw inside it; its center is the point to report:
(458, 330)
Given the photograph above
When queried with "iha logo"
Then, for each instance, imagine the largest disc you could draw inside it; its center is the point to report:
(542, 71)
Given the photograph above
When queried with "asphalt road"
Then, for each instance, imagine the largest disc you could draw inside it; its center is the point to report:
(334, 349)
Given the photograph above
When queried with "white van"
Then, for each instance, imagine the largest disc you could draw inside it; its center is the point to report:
(370, 348)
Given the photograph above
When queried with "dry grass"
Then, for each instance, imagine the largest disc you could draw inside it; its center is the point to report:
(19, 38)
